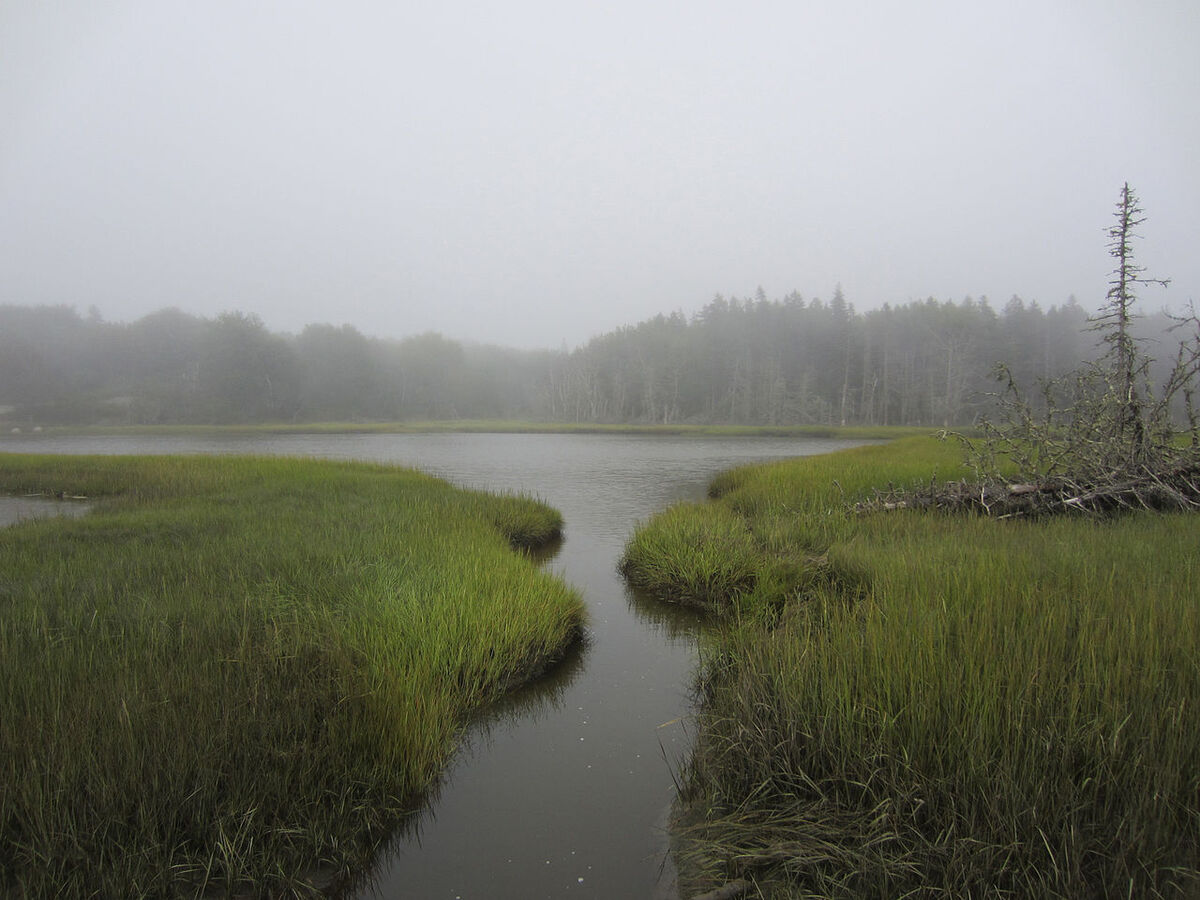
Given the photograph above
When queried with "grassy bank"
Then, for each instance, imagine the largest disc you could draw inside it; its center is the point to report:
(501, 426)
(913, 704)
(239, 672)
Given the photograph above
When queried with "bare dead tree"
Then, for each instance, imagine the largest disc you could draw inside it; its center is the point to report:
(1104, 437)
(1126, 364)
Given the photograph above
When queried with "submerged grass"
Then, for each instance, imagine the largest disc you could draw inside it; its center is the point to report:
(236, 674)
(916, 704)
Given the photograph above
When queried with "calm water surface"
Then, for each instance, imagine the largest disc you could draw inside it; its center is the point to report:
(564, 790)
(22, 509)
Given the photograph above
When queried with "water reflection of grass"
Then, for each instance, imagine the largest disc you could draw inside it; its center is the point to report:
(670, 619)
(241, 672)
(918, 702)
(529, 704)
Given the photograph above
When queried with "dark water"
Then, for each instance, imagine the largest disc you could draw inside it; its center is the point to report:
(564, 790)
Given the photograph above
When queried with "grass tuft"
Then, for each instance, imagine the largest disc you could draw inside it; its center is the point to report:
(956, 706)
(237, 674)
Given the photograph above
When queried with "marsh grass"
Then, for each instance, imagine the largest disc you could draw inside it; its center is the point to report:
(957, 706)
(236, 674)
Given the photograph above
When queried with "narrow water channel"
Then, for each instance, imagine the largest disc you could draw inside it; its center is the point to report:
(564, 789)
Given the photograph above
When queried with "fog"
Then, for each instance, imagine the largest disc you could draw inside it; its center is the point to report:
(533, 174)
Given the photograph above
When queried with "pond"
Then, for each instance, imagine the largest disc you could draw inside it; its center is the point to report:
(21, 509)
(564, 790)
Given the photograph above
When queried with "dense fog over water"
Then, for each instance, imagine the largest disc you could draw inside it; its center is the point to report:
(780, 362)
(533, 173)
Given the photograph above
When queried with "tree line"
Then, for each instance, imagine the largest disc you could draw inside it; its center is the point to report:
(739, 361)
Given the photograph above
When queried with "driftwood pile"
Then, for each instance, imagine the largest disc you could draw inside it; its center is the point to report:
(1177, 488)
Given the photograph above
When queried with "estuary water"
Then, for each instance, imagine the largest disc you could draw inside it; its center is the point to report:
(564, 789)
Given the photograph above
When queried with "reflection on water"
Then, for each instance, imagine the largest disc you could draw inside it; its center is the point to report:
(530, 704)
(545, 552)
(563, 789)
(672, 621)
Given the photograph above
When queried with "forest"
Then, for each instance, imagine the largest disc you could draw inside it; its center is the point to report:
(752, 361)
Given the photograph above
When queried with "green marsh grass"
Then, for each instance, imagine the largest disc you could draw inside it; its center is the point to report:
(237, 674)
(943, 705)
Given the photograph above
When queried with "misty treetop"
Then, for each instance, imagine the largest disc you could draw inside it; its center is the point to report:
(173, 368)
(752, 361)
(793, 361)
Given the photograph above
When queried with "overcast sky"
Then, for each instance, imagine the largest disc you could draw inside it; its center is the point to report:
(535, 173)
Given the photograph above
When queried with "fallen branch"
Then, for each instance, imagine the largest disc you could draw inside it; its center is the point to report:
(1176, 489)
